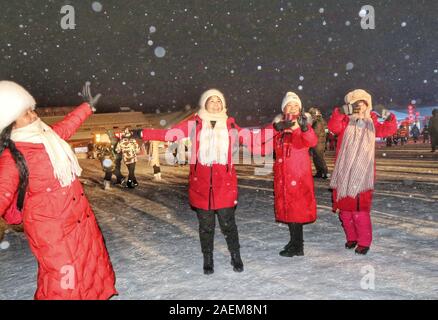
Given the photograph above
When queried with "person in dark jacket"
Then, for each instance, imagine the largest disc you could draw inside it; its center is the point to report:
(319, 127)
(426, 134)
(415, 132)
(433, 125)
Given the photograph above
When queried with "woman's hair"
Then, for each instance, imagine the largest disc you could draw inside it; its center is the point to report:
(6, 142)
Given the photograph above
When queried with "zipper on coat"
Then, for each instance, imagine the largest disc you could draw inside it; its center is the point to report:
(211, 188)
(357, 202)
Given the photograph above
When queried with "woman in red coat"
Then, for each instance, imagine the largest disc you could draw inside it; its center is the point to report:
(354, 173)
(295, 202)
(39, 177)
(215, 138)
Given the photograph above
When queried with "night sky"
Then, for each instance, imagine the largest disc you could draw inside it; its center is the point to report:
(159, 56)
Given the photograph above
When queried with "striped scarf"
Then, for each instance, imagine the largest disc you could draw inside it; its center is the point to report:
(354, 167)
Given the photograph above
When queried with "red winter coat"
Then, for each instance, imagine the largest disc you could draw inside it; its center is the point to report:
(337, 124)
(293, 182)
(63, 234)
(210, 187)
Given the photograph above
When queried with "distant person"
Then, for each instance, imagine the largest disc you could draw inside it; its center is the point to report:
(415, 133)
(433, 125)
(129, 149)
(403, 134)
(319, 127)
(426, 134)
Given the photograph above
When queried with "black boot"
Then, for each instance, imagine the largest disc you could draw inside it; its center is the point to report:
(296, 245)
(236, 261)
(350, 244)
(130, 184)
(135, 183)
(208, 263)
(362, 250)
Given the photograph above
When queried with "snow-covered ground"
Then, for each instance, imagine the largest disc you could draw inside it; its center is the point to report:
(151, 234)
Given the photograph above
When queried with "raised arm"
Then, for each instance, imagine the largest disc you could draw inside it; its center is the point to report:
(257, 141)
(177, 132)
(338, 122)
(387, 128)
(67, 127)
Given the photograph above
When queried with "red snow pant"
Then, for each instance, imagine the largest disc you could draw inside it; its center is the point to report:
(357, 226)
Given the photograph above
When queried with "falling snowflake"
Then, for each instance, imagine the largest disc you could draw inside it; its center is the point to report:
(150, 43)
(347, 23)
(300, 88)
(301, 78)
(349, 66)
(362, 13)
(160, 52)
(293, 183)
(96, 6)
(153, 73)
(335, 74)
(152, 29)
(4, 245)
(404, 24)
(259, 67)
(321, 10)
(163, 122)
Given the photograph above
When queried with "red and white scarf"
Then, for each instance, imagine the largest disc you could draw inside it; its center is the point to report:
(354, 167)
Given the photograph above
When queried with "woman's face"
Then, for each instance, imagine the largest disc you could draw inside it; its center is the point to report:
(214, 105)
(292, 108)
(360, 108)
(27, 117)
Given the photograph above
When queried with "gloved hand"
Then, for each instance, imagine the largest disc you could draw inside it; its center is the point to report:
(302, 122)
(346, 109)
(387, 115)
(86, 94)
(282, 125)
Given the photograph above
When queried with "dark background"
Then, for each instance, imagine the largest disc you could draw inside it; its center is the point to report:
(254, 51)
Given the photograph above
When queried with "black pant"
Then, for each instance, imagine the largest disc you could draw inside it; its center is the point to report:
(108, 175)
(227, 223)
(118, 165)
(296, 235)
(319, 161)
(131, 170)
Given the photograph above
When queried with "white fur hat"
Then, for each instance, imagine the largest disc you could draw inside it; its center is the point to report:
(290, 97)
(357, 95)
(14, 100)
(210, 93)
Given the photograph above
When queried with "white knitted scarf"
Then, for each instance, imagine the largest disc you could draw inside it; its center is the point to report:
(64, 162)
(213, 142)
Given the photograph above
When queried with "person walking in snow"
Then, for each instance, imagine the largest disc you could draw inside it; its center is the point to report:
(39, 182)
(212, 177)
(129, 148)
(295, 203)
(353, 177)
